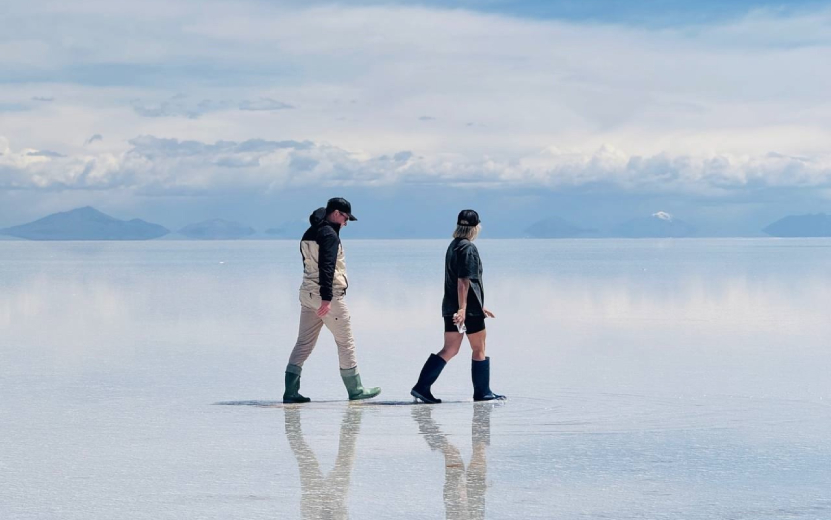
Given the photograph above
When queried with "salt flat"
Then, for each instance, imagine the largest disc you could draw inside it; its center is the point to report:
(646, 379)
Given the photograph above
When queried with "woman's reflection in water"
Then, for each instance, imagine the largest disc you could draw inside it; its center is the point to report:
(464, 489)
(324, 496)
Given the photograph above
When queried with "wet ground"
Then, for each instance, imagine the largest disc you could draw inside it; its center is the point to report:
(646, 380)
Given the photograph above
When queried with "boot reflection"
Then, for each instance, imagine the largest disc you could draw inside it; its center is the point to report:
(324, 496)
(464, 488)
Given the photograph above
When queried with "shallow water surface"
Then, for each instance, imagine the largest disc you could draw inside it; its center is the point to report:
(647, 379)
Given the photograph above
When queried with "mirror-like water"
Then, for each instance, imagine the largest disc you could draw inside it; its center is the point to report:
(646, 379)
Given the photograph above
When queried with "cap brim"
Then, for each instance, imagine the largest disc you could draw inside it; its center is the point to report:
(352, 217)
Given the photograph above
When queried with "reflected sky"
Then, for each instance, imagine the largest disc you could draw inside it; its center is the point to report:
(324, 495)
(696, 316)
(646, 379)
(465, 486)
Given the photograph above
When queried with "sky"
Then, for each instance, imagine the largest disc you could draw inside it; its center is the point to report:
(598, 112)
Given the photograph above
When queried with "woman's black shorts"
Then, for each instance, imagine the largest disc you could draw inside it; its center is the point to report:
(474, 324)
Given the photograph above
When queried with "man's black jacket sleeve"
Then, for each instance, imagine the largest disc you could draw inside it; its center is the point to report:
(328, 243)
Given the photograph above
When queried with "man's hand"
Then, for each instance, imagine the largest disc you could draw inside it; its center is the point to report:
(489, 314)
(459, 317)
(325, 306)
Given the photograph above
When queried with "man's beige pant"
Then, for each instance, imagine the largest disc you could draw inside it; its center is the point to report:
(338, 322)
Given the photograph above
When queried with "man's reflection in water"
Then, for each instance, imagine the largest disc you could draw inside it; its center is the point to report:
(324, 496)
(464, 489)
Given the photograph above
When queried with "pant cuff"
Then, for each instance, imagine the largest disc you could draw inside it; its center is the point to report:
(348, 372)
(294, 369)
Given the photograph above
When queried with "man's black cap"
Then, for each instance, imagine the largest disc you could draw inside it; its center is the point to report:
(468, 217)
(340, 204)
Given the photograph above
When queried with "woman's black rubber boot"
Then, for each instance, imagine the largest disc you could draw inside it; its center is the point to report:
(480, 372)
(429, 373)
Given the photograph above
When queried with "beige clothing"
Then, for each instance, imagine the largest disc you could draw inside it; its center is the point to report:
(311, 273)
(338, 321)
(324, 496)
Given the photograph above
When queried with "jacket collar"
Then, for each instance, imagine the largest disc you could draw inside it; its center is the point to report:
(333, 225)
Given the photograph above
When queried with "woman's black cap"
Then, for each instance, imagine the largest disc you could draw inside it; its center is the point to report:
(340, 204)
(468, 217)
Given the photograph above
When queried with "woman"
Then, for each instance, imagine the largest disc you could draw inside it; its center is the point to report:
(463, 309)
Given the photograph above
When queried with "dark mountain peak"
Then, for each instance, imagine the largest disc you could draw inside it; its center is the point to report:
(810, 225)
(217, 229)
(290, 229)
(86, 211)
(658, 225)
(556, 227)
(86, 223)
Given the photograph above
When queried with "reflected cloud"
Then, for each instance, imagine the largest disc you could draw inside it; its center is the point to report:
(464, 487)
(324, 496)
(684, 307)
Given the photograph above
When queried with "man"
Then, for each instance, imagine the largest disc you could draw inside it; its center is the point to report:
(463, 309)
(321, 301)
(324, 496)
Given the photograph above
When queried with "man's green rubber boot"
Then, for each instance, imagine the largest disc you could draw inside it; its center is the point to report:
(292, 393)
(352, 381)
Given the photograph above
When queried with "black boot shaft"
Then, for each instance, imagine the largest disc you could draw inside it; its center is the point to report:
(431, 371)
(429, 374)
(480, 373)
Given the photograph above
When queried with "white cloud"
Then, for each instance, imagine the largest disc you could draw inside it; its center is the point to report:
(263, 104)
(45, 153)
(703, 108)
(93, 138)
(181, 105)
(155, 164)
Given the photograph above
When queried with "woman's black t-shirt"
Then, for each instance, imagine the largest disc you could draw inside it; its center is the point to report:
(462, 261)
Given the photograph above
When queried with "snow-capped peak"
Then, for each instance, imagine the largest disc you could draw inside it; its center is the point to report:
(663, 215)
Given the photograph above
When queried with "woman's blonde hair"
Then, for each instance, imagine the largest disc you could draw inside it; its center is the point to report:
(468, 232)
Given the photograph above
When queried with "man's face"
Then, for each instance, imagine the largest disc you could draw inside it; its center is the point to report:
(341, 218)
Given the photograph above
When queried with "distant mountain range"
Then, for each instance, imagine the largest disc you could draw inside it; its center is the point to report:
(556, 227)
(293, 229)
(86, 224)
(818, 225)
(657, 225)
(217, 229)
